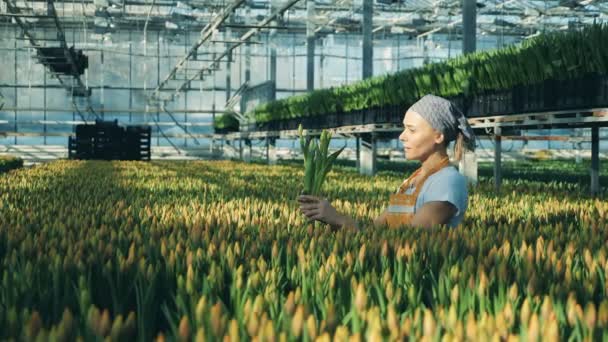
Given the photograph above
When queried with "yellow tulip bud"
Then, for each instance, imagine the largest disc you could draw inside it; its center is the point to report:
(297, 322)
(34, 326)
(234, 331)
(590, 316)
(200, 335)
(360, 298)
(289, 305)
(200, 310)
(525, 312)
(311, 327)
(428, 323)
(184, 329)
(105, 323)
(533, 328)
(602, 319)
(513, 292)
(361, 257)
(392, 320)
(455, 294)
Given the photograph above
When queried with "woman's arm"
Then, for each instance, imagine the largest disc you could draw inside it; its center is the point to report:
(346, 222)
(433, 213)
(381, 219)
(320, 209)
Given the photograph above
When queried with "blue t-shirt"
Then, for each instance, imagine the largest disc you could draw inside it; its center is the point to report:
(447, 185)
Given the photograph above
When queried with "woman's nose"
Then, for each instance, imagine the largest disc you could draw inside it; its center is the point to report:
(402, 136)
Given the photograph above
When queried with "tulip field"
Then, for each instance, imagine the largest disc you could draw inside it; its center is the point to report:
(218, 250)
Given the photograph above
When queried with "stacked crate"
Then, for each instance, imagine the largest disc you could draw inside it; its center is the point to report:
(108, 141)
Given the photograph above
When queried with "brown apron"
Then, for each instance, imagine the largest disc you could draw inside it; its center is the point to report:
(402, 206)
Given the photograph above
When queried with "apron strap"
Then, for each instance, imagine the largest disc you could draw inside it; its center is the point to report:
(403, 187)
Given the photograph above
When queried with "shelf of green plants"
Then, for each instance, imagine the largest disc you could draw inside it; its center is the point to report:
(549, 72)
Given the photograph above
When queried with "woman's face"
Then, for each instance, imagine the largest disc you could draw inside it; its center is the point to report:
(419, 139)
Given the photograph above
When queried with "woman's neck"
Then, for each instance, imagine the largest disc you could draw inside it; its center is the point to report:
(432, 161)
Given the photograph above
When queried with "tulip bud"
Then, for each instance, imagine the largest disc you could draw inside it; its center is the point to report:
(190, 280)
(34, 326)
(392, 321)
(361, 257)
(513, 292)
(116, 330)
(384, 251)
(252, 326)
(589, 260)
(200, 310)
(471, 329)
(297, 322)
(184, 329)
(289, 305)
(234, 331)
(452, 317)
(93, 320)
(483, 284)
(217, 325)
(341, 333)
(602, 319)
(323, 338)
(275, 250)
(388, 290)
(428, 323)
(360, 298)
(455, 294)
(590, 316)
(311, 327)
(525, 312)
(506, 249)
(105, 323)
(331, 317)
(348, 258)
(552, 330)
(200, 335)
(533, 328)
(298, 295)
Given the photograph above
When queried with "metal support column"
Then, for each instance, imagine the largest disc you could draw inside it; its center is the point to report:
(595, 160)
(271, 150)
(358, 151)
(240, 149)
(247, 63)
(368, 48)
(310, 46)
(157, 83)
(368, 151)
(469, 24)
(130, 75)
(321, 61)
(497, 158)
(16, 102)
(248, 158)
(45, 104)
(228, 37)
(468, 167)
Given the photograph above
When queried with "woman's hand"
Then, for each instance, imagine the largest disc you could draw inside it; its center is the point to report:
(316, 208)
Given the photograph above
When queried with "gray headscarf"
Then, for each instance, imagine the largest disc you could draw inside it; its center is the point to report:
(446, 118)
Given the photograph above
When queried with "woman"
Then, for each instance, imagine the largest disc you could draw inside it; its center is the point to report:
(434, 194)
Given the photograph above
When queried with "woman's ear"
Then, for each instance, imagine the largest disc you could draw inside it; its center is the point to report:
(439, 138)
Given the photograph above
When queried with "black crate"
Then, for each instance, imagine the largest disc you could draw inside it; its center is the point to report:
(107, 140)
(395, 114)
(602, 92)
(381, 115)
